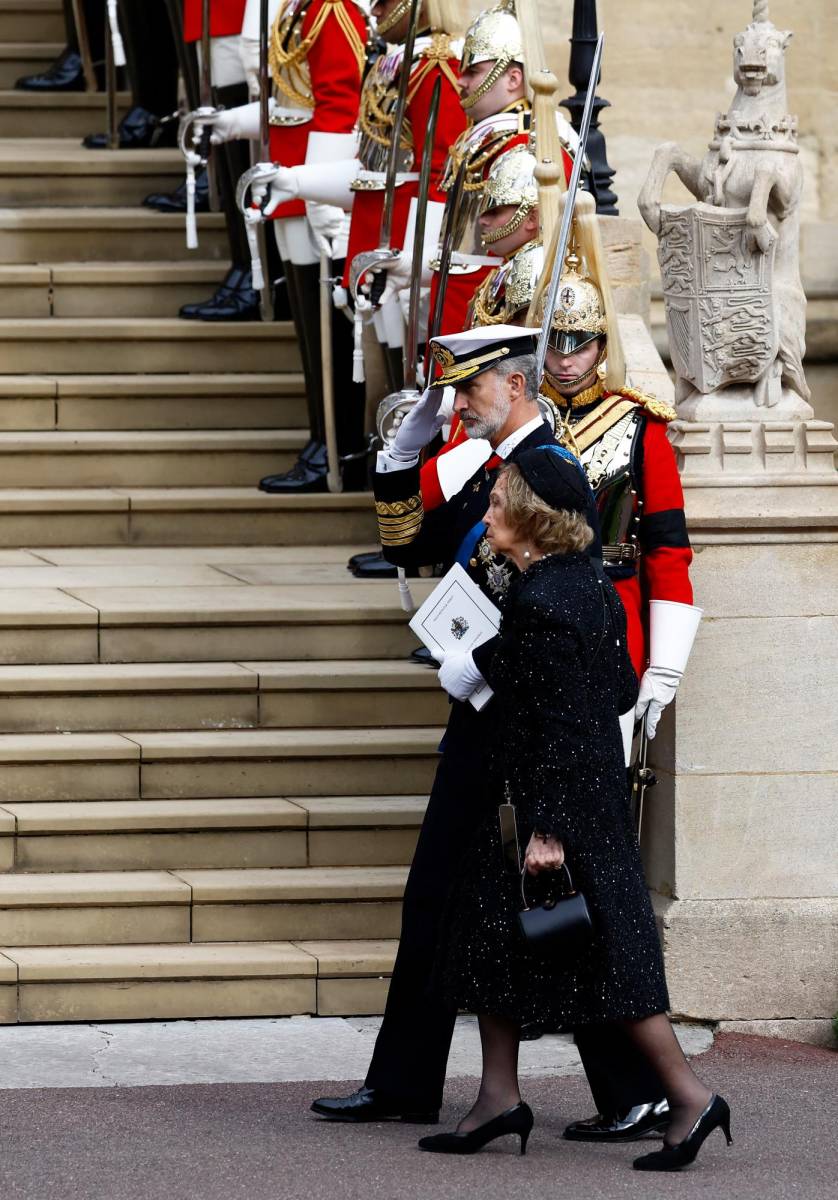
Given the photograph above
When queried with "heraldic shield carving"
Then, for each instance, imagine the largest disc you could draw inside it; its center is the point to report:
(717, 291)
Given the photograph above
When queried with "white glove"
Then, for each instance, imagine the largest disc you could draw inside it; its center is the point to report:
(672, 630)
(326, 221)
(420, 426)
(249, 54)
(400, 268)
(397, 270)
(458, 674)
(657, 689)
(231, 124)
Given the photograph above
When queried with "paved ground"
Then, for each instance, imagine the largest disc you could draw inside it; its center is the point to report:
(284, 1050)
(258, 1142)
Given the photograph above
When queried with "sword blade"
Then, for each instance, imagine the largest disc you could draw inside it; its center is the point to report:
(567, 215)
(452, 205)
(264, 85)
(398, 122)
(412, 335)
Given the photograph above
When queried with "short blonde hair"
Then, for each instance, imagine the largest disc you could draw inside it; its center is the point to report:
(550, 530)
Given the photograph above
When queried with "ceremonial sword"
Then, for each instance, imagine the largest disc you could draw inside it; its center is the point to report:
(567, 214)
(195, 142)
(452, 204)
(365, 262)
(114, 57)
(261, 172)
(393, 408)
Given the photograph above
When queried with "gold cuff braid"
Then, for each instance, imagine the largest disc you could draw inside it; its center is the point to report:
(399, 521)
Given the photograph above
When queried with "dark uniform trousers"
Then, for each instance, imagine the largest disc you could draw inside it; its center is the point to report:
(411, 1052)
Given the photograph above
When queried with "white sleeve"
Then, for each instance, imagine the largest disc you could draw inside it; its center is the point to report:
(250, 23)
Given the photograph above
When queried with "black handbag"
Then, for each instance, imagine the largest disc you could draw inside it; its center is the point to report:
(561, 922)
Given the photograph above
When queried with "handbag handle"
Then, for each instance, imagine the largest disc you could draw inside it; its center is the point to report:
(548, 903)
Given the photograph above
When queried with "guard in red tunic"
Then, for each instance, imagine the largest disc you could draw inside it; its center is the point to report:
(316, 59)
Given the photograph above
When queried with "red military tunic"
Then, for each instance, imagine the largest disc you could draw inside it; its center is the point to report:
(368, 205)
(334, 61)
(661, 572)
(226, 18)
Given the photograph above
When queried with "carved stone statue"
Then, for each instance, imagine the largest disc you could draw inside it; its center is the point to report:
(729, 264)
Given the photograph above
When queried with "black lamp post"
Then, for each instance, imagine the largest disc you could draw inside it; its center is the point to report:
(582, 46)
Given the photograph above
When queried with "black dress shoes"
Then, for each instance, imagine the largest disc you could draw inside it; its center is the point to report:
(374, 566)
(138, 130)
(308, 474)
(235, 300)
(370, 1104)
(674, 1158)
(357, 560)
(517, 1121)
(423, 657)
(638, 1121)
(175, 202)
(65, 75)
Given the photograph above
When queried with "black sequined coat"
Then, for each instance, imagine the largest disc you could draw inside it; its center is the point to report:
(561, 676)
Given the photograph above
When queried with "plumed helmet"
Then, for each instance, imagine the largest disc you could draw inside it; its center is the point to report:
(493, 36)
(511, 180)
(579, 316)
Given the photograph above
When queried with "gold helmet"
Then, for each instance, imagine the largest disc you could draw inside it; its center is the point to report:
(511, 180)
(579, 316)
(585, 306)
(493, 36)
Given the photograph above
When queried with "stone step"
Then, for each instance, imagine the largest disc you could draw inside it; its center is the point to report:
(52, 235)
(181, 517)
(142, 835)
(59, 171)
(106, 289)
(358, 620)
(55, 115)
(294, 903)
(151, 696)
(135, 458)
(26, 58)
(248, 400)
(205, 764)
(99, 907)
(165, 345)
(32, 21)
(167, 982)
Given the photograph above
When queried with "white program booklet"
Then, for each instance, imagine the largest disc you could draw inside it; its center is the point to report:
(457, 616)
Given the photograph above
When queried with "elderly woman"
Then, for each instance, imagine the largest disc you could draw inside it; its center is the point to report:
(561, 676)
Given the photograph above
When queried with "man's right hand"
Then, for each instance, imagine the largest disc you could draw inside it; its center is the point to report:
(420, 426)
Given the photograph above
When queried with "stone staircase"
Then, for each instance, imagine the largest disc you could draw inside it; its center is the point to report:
(213, 755)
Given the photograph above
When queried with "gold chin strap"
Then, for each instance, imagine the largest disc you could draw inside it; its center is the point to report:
(550, 387)
(386, 24)
(488, 83)
(514, 223)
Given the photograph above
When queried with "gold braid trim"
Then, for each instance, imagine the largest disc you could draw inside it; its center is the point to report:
(289, 67)
(399, 521)
(481, 312)
(657, 408)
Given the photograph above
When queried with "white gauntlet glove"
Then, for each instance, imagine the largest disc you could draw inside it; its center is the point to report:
(458, 674)
(231, 124)
(420, 426)
(327, 223)
(672, 630)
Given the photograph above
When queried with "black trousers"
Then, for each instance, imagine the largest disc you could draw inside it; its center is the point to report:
(411, 1051)
(151, 54)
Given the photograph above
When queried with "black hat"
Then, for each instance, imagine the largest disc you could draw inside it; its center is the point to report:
(557, 477)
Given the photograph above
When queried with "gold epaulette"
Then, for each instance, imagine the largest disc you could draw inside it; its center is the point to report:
(654, 407)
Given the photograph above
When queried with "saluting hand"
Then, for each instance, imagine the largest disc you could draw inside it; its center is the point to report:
(543, 854)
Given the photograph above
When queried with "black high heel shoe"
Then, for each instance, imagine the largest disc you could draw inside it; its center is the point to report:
(517, 1120)
(672, 1158)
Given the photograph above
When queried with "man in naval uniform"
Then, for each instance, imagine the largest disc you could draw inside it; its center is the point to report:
(493, 374)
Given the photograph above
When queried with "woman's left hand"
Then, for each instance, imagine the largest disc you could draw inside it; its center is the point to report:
(543, 854)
